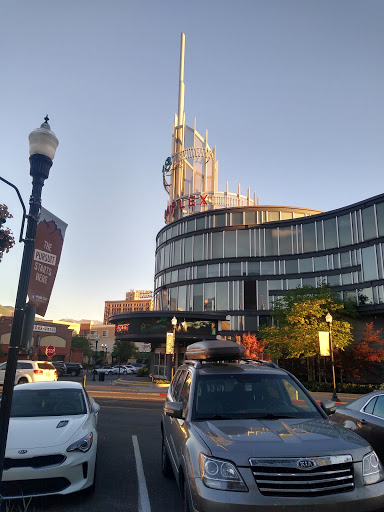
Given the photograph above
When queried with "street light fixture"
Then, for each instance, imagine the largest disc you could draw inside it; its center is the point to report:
(104, 347)
(329, 319)
(174, 323)
(42, 148)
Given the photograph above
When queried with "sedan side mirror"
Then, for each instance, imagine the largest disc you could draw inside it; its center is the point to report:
(174, 409)
(328, 406)
(95, 408)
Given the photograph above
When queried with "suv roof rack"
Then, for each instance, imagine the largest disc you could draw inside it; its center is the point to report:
(214, 350)
(261, 362)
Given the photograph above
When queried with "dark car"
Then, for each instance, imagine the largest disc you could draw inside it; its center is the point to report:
(74, 369)
(365, 416)
(60, 367)
(239, 436)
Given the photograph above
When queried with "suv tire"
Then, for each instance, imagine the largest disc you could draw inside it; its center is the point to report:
(74, 373)
(166, 467)
(23, 380)
(184, 490)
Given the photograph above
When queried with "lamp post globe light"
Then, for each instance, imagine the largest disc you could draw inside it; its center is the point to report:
(328, 319)
(42, 148)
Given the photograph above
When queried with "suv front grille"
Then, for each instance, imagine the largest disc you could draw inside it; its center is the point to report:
(304, 477)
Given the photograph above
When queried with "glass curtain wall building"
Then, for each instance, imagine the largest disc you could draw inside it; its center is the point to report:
(240, 260)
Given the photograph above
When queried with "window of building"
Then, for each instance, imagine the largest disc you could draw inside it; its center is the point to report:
(291, 266)
(306, 265)
(345, 230)
(250, 295)
(309, 237)
(209, 297)
(188, 249)
(201, 272)
(229, 244)
(198, 302)
(236, 218)
(369, 223)
(222, 296)
(235, 269)
(253, 268)
(330, 233)
(217, 245)
(285, 240)
(271, 242)
(320, 263)
(267, 268)
(368, 256)
(243, 243)
(380, 218)
(220, 220)
(200, 223)
(198, 248)
(214, 270)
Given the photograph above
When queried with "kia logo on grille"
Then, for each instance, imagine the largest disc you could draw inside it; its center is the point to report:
(306, 464)
(22, 451)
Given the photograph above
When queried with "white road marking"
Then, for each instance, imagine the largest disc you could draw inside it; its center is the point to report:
(144, 505)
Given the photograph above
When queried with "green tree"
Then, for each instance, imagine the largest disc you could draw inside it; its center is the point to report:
(299, 316)
(85, 344)
(124, 350)
(6, 237)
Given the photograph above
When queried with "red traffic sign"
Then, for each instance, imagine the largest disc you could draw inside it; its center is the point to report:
(50, 351)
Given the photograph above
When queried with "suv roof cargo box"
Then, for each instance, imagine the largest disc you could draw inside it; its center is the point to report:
(214, 350)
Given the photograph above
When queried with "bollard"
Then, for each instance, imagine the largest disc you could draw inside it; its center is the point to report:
(84, 380)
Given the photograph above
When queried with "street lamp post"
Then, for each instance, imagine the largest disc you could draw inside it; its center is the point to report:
(174, 323)
(104, 347)
(329, 319)
(42, 148)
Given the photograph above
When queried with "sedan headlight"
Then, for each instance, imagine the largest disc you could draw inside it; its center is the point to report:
(221, 474)
(372, 469)
(82, 445)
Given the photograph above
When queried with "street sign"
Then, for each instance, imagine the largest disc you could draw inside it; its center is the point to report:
(50, 351)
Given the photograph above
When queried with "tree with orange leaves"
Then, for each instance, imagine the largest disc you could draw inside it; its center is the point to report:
(359, 358)
(254, 348)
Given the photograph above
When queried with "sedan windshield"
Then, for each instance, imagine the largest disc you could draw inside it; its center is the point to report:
(47, 402)
(251, 396)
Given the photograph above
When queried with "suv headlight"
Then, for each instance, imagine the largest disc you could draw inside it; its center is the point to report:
(221, 474)
(372, 469)
(82, 445)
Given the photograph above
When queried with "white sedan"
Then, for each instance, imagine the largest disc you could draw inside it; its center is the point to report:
(52, 440)
(124, 369)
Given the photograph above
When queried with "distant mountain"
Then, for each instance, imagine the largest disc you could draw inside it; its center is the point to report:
(83, 321)
(7, 310)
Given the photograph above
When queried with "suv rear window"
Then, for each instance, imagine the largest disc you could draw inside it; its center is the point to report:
(46, 366)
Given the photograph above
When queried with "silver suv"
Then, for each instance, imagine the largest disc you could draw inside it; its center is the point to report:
(240, 436)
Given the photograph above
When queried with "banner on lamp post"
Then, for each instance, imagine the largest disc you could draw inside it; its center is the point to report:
(324, 343)
(46, 257)
(170, 343)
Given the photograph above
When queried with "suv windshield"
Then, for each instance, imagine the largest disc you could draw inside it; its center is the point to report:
(248, 395)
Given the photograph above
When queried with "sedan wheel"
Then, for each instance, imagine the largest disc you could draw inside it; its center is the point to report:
(73, 373)
(125, 372)
(110, 372)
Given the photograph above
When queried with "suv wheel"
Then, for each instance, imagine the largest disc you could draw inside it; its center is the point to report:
(184, 490)
(23, 380)
(74, 373)
(166, 467)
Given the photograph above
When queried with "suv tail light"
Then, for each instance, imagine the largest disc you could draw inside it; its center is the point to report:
(40, 372)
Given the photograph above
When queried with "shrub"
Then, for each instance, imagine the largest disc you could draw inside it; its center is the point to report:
(143, 372)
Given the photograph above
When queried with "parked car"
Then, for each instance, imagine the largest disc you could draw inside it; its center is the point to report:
(52, 440)
(240, 436)
(124, 369)
(109, 370)
(60, 367)
(31, 371)
(74, 369)
(365, 416)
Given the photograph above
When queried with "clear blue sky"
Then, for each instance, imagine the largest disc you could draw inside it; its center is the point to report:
(290, 91)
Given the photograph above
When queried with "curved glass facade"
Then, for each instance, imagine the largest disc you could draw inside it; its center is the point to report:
(239, 260)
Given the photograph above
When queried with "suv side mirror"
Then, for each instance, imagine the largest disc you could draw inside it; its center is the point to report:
(174, 409)
(328, 406)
